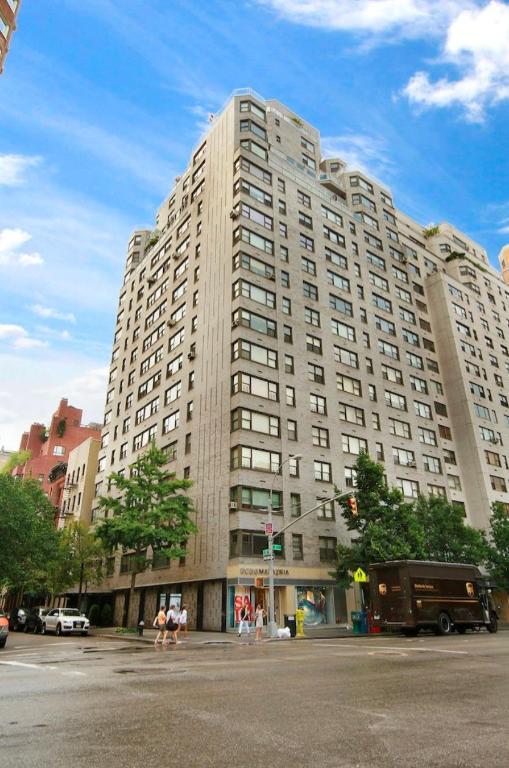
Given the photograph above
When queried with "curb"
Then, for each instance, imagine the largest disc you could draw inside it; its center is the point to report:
(223, 638)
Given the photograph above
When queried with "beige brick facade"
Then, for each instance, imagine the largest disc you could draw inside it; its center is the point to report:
(285, 306)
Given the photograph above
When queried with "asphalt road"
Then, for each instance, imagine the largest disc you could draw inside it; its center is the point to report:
(345, 703)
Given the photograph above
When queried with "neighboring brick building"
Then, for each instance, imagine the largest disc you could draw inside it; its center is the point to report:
(50, 448)
(8, 13)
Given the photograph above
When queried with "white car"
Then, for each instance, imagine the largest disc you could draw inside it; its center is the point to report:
(65, 621)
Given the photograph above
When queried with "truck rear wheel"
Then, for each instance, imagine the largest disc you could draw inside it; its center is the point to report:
(493, 625)
(444, 624)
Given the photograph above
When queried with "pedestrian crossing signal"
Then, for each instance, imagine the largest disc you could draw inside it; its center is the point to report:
(352, 503)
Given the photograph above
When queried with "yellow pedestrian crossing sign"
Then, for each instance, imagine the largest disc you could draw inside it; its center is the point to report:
(359, 575)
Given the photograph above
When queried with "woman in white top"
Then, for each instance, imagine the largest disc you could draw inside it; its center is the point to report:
(182, 620)
(259, 614)
(172, 626)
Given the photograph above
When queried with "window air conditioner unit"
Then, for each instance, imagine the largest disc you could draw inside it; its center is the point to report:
(176, 256)
(404, 259)
(235, 323)
(151, 281)
(271, 277)
(234, 214)
(172, 323)
(232, 506)
(191, 355)
(411, 464)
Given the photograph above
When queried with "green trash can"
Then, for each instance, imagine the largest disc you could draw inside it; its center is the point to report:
(364, 629)
(356, 622)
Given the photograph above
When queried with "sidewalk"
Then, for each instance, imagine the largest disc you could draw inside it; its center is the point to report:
(230, 637)
(219, 638)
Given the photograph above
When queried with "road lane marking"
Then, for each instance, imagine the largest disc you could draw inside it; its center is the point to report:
(409, 648)
(389, 648)
(31, 649)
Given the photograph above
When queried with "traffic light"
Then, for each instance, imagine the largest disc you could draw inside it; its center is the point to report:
(352, 503)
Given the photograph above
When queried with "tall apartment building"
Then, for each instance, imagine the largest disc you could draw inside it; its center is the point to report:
(8, 12)
(503, 258)
(284, 306)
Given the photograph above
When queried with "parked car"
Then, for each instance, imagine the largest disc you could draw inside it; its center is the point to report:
(27, 619)
(65, 621)
(34, 619)
(4, 629)
(17, 619)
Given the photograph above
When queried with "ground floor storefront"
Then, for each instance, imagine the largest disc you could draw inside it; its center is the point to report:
(324, 603)
(215, 604)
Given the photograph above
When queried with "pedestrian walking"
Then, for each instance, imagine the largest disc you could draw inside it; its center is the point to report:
(182, 620)
(259, 614)
(160, 624)
(244, 619)
(172, 626)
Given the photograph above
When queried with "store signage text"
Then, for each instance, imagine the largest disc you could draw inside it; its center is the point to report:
(263, 572)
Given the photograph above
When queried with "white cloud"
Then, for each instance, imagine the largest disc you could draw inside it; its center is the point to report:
(25, 342)
(48, 312)
(30, 260)
(407, 18)
(10, 240)
(13, 169)
(359, 151)
(19, 337)
(473, 36)
(52, 333)
(477, 43)
(8, 330)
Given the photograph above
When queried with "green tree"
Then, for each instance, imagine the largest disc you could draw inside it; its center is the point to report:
(85, 551)
(387, 527)
(17, 458)
(150, 511)
(447, 538)
(497, 558)
(29, 541)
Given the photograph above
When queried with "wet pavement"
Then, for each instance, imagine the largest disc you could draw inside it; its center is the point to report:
(340, 703)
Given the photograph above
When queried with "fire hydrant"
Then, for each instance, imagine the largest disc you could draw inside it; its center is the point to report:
(141, 627)
(299, 617)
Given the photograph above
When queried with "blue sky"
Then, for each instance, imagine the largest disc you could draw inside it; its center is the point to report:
(101, 106)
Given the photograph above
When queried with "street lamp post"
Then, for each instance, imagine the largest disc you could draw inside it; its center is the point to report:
(271, 624)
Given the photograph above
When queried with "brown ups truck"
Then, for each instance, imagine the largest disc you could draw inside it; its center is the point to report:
(408, 595)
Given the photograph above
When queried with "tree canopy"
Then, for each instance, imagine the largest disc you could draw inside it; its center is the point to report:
(148, 511)
(29, 541)
(498, 547)
(387, 527)
(17, 458)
